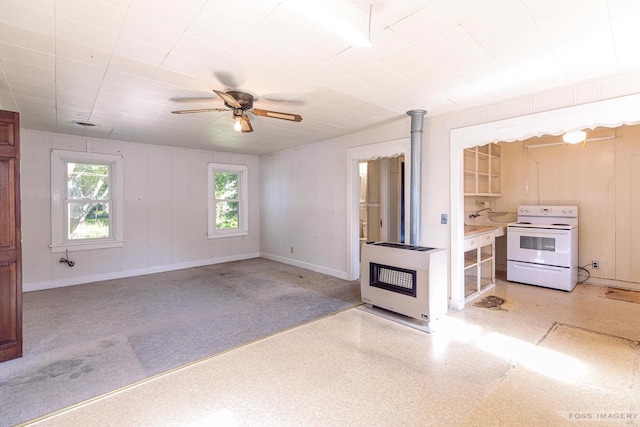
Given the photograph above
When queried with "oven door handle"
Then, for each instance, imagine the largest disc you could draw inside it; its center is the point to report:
(530, 231)
(537, 267)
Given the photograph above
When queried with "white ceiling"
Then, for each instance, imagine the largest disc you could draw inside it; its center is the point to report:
(121, 64)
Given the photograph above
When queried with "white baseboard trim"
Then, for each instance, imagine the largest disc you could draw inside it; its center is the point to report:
(613, 283)
(60, 283)
(313, 267)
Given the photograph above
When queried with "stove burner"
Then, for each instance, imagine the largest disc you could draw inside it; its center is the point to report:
(561, 225)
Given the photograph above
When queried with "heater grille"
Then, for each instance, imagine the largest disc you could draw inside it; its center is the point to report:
(395, 279)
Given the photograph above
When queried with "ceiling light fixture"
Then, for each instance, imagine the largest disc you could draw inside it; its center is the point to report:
(574, 137)
(237, 125)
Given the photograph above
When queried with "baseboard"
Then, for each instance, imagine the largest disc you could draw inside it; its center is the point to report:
(613, 283)
(60, 283)
(313, 267)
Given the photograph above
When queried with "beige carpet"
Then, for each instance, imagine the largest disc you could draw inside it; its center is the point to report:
(86, 340)
(574, 375)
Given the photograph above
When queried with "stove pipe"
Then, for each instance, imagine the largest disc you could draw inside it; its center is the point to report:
(415, 196)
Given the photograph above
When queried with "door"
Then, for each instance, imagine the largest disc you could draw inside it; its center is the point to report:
(374, 215)
(10, 238)
(384, 220)
(390, 199)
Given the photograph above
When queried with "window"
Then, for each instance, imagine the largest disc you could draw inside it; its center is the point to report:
(86, 201)
(227, 200)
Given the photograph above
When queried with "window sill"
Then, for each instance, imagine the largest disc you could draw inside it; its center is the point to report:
(221, 234)
(85, 246)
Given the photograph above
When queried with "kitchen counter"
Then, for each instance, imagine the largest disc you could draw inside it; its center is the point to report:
(474, 230)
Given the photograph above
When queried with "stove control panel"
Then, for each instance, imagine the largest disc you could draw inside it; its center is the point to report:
(555, 211)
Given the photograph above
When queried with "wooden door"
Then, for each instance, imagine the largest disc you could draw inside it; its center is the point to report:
(10, 238)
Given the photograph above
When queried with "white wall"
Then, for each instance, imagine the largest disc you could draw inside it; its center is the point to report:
(303, 191)
(303, 206)
(165, 212)
(304, 197)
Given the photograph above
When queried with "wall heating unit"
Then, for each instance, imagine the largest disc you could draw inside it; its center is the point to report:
(407, 280)
(542, 247)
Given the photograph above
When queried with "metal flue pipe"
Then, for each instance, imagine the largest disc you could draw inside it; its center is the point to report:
(415, 196)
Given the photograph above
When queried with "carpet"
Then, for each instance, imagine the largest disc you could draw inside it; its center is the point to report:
(602, 368)
(82, 341)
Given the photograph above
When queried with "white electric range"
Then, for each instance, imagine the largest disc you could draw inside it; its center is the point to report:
(542, 247)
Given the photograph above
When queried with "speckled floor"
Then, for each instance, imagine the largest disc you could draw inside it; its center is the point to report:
(544, 357)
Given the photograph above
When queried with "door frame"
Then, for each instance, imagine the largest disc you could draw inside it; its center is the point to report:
(380, 150)
(610, 113)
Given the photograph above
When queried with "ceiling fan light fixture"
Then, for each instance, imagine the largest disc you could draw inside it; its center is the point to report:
(241, 103)
(574, 137)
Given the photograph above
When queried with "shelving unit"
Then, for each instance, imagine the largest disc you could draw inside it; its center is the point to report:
(482, 167)
(479, 264)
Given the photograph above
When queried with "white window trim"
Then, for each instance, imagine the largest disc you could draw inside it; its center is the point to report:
(243, 220)
(58, 183)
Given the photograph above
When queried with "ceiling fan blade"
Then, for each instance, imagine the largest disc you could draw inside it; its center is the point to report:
(277, 115)
(203, 99)
(202, 110)
(246, 124)
(230, 100)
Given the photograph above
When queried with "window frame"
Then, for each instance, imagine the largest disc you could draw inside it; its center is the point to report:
(243, 207)
(60, 241)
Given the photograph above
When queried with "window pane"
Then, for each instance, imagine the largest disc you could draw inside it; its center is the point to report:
(227, 215)
(227, 185)
(88, 220)
(87, 181)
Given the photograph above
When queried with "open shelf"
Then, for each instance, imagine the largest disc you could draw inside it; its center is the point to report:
(482, 169)
(470, 261)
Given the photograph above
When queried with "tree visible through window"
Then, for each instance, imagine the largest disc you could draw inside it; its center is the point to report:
(88, 201)
(227, 200)
(228, 193)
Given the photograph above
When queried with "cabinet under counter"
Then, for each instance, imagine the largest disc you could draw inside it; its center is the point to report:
(479, 260)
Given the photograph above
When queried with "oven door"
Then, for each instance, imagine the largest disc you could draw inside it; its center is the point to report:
(539, 246)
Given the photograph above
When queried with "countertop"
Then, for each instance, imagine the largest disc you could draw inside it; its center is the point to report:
(474, 230)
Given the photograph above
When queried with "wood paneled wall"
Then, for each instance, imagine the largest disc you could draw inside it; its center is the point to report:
(602, 178)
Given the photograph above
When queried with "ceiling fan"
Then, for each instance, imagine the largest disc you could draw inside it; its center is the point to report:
(241, 103)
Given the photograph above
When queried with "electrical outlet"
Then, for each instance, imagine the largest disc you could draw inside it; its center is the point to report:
(595, 265)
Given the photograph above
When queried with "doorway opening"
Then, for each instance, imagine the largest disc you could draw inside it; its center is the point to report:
(381, 200)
